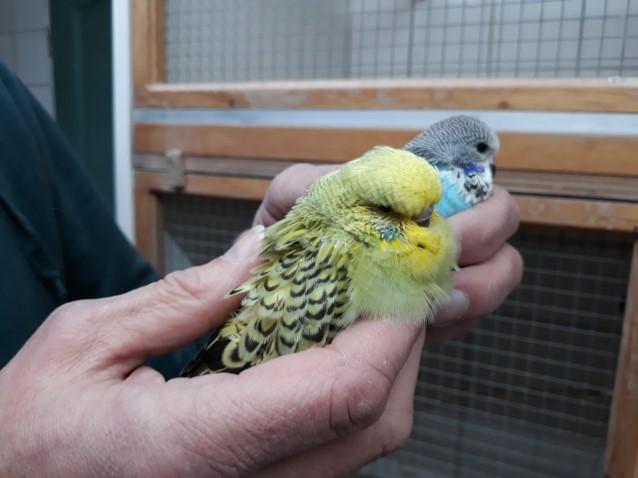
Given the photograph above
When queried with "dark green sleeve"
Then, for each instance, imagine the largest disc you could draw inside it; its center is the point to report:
(58, 241)
(98, 260)
(95, 257)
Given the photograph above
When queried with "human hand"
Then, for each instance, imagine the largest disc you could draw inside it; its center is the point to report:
(286, 188)
(490, 268)
(77, 400)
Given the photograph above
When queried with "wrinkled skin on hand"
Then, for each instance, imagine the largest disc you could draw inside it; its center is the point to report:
(77, 400)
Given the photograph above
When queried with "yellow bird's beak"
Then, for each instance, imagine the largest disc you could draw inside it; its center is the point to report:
(423, 219)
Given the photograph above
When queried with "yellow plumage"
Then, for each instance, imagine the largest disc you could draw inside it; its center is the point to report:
(356, 244)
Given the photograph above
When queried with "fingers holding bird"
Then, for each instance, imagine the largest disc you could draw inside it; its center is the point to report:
(483, 229)
(488, 284)
(286, 188)
(485, 285)
(491, 268)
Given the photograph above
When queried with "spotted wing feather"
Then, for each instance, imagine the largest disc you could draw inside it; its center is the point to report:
(298, 298)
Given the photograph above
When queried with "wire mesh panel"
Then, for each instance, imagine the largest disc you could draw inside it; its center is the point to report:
(239, 40)
(197, 229)
(527, 393)
(243, 40)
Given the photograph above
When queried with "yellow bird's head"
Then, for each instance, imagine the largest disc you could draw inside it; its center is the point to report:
(386, 201)
(396, 180)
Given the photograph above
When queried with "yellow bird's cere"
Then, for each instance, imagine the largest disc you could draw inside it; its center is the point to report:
(363, 241)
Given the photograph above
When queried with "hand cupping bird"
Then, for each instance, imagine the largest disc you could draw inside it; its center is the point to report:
(363, 241)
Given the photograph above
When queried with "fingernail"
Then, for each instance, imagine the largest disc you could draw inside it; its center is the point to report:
(247, 246)
(452, 309)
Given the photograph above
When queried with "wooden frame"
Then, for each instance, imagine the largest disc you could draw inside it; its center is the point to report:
(494, 94)
(250, 181)
(151, 90)
(552, 153)
(148, 218)
(544, 200)
(148, 187)
(622, 440)
(566, 185)
(148, 17)
(556, 199)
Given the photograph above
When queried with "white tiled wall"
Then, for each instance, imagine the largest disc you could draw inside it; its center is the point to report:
(24, 46)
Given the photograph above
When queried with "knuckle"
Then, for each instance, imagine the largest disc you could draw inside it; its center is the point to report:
(69, 333)
(299, 168)
(181, 286)
(276, 181)
(68, 318)
(69, 310)
(291, 174)
(286, 187)
(358, 399)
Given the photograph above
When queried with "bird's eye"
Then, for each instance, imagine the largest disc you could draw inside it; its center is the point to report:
(482, 147)
(385, 209)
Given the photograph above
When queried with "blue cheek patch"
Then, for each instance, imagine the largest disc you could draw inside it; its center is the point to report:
(473, 168)
(389, 234)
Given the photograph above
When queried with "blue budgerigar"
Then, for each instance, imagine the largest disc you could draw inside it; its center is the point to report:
(463, 148)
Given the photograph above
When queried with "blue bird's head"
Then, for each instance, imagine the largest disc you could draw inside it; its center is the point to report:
(462, 141)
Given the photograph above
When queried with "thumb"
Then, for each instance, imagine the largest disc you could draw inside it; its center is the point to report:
(297, 402)
(179, 308)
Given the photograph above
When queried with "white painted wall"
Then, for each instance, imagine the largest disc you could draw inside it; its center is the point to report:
(122, 110)
(24, 46)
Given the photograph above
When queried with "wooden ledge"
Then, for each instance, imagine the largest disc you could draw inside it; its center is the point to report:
(585, 154)
(589, 95)
(535, 209)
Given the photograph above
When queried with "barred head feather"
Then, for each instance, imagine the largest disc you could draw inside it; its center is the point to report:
(456, 141)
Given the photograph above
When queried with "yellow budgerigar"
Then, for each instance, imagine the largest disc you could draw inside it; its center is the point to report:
(363, 241)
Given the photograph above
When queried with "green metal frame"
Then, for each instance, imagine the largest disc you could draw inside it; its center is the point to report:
(81, 45)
